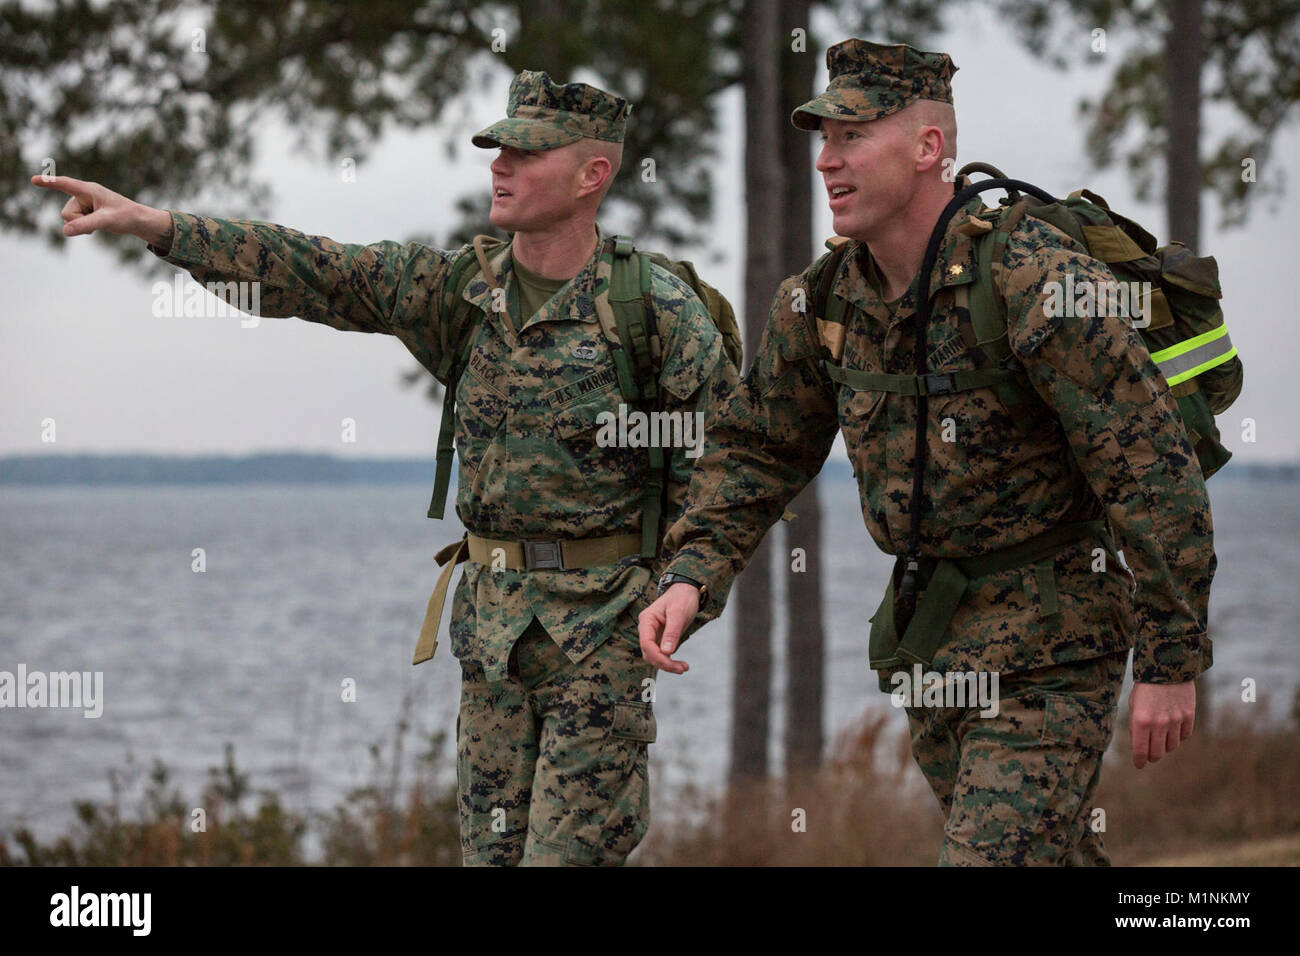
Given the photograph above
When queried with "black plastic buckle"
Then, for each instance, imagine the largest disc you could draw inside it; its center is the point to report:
(911, 576)
(543, 556)
(940, 383)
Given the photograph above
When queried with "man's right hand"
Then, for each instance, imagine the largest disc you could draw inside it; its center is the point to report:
(663, 622)
(92, 207)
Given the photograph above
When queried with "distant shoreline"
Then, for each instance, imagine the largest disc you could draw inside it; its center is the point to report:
(305, 467)
(297, 467)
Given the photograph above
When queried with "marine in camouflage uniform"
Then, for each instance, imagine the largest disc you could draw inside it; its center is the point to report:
(556, 709)
(1105, 441)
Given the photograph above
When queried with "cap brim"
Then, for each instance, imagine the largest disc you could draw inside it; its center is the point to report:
(832, 105)
(524, 134)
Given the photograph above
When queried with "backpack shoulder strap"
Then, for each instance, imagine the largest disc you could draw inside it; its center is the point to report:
(988, 311)
(456, 334)
(455, 313)
(821, 279)
(988, 315)
(638, 329)
(625, 310)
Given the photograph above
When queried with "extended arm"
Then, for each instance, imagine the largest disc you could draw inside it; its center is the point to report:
(384, 287)
(764, 442)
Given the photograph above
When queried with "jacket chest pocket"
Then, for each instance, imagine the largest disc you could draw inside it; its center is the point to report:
(863, 422)
(480, 416)
(598, 452)
(971, 436)
(862, 412)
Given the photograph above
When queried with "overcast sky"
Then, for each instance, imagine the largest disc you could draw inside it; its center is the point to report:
(79, 343)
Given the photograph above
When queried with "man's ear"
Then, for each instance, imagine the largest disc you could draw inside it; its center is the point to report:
(929, 147)
(593, 174)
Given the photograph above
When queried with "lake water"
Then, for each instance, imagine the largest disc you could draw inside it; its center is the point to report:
(307, 586)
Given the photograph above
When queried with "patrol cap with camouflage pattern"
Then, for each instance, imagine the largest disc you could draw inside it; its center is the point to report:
(871, 80)
(542, 114)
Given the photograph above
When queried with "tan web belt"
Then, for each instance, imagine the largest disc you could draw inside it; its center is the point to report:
(516, 556)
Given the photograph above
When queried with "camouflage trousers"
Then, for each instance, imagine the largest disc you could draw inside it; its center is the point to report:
(1017, 788)
(551, 763)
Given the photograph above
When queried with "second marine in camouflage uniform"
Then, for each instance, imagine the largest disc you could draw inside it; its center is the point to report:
(556, 705)
(1106, 442)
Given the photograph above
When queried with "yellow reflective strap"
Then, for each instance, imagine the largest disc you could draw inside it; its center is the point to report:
(1196, 370)
(1186, 345)
(1191, 357)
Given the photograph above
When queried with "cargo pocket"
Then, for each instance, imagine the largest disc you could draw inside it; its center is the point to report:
(1067, 764)
(1027, 779)
(507, 851)
(634, 721)
(1073, 722)
(618, 815)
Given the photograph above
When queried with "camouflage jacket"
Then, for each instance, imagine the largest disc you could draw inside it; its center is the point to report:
(1107, 442)
(529, 464)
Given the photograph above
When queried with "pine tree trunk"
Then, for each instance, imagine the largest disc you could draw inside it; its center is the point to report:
(764, 186)
(805, 636)
(1184, 56)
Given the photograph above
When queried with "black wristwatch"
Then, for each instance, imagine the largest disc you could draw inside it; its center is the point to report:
(668, 580)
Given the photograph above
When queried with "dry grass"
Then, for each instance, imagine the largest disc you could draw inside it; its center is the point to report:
(1273, 851)
(1231, 798)
(1216, 791)
(867, 807)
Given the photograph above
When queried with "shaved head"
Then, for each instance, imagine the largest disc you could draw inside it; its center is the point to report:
(925, 113)
(585, 150)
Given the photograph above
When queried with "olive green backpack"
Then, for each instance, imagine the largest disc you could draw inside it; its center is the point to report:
(1181, 326)
(626, 313)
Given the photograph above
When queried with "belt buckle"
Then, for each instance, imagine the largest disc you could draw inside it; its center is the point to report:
(543, 556)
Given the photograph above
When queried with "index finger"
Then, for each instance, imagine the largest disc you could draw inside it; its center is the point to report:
(64, 184)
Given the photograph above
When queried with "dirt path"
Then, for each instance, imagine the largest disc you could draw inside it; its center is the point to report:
(1272, 851)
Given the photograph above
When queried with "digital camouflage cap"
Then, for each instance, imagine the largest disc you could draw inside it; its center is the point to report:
(871, 80)
(542, 114)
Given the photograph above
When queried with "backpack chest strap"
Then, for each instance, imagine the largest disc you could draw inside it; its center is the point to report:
(935, 383)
